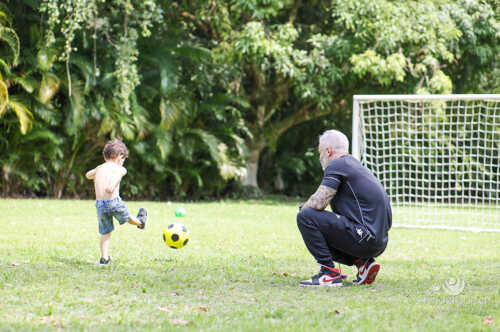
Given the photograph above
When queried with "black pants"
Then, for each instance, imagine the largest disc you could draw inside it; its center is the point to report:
(331, 237)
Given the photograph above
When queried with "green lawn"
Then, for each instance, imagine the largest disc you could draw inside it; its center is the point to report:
(481, 217)
(239, 272)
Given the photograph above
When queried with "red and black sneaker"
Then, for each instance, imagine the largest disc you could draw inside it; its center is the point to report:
(367, 272)
(327, 276)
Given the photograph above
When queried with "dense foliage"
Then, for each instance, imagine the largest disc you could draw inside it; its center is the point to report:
(213, 95)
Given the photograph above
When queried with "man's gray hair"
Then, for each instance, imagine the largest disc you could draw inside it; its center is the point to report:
(334, 139)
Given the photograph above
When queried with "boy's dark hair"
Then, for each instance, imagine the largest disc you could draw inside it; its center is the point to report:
(114, 148)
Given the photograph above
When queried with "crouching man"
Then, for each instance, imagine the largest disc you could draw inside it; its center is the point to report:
(357, 230)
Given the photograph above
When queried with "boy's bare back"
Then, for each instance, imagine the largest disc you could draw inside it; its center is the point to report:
(107, 177)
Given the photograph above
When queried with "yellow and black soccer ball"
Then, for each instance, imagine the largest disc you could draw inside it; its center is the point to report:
(176, 235)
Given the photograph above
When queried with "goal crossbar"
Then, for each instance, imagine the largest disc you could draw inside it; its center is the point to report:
(427, 97)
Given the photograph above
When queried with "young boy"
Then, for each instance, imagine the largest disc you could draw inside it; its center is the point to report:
(107, 179)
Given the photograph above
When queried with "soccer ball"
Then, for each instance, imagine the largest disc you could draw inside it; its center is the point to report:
(176, 235)
(180, 212)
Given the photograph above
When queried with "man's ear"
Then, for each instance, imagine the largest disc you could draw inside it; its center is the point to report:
(329, 151)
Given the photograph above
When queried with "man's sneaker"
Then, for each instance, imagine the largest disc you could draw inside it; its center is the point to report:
(327, 276)
(367, 272)
(142, 216)
(103, 261)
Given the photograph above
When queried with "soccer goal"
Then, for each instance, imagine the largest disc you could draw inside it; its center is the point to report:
(438, 157)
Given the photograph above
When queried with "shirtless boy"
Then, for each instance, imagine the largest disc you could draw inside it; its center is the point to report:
(109, 204)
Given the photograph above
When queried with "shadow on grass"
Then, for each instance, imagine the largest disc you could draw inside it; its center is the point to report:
(73, 261)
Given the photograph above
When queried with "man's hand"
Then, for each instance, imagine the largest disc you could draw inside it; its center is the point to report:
(320, 199)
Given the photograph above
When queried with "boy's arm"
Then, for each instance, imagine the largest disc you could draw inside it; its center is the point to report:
(90, 174)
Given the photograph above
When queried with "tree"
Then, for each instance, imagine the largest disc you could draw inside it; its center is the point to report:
(294, 61)
(192, 142)
(82, 67)
(198, 89)
(268, 64)
(72, 102)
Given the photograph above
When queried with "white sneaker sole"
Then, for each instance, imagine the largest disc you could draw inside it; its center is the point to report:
(371, 274)
(323, 285)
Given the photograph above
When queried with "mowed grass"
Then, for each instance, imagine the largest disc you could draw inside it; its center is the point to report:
(239, 272)
(482, 217)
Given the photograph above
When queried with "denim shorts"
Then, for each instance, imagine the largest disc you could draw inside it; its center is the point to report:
(109, 208)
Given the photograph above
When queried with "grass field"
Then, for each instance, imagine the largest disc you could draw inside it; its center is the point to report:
(239, 272)
(479, 218)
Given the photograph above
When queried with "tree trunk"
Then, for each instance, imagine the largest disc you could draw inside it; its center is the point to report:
(272, 133)
(249, 179)
(279, 184)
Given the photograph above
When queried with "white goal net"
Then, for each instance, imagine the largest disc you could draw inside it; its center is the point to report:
(438, 157)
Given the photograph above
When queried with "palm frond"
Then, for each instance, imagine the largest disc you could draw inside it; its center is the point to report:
(4, 97)
(186, 144)
(170, 113)
(194, 173)
(45, 58)
(164, 142)
(43, 134)
(211, 142)
(33, 4)
(46, 113)
(28, 83)
(161, 62)
(107, 125)
(86, 69)
(241, 146)
(176, 175)
(5, 14)
(195, 53)
(76, 110)
(140, 117)
(230, 99)
(78, 100)
(127, 128)
(9, 36)
(5, 66)
(24, 115)
(48, 87)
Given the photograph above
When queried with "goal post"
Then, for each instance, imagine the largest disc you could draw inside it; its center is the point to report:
(437, 156)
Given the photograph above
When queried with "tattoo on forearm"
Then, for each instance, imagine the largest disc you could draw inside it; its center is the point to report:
(320, 199)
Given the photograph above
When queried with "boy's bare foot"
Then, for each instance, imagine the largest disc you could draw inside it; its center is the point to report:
(142, 216)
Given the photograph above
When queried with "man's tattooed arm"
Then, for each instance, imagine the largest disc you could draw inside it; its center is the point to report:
(320, 199)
